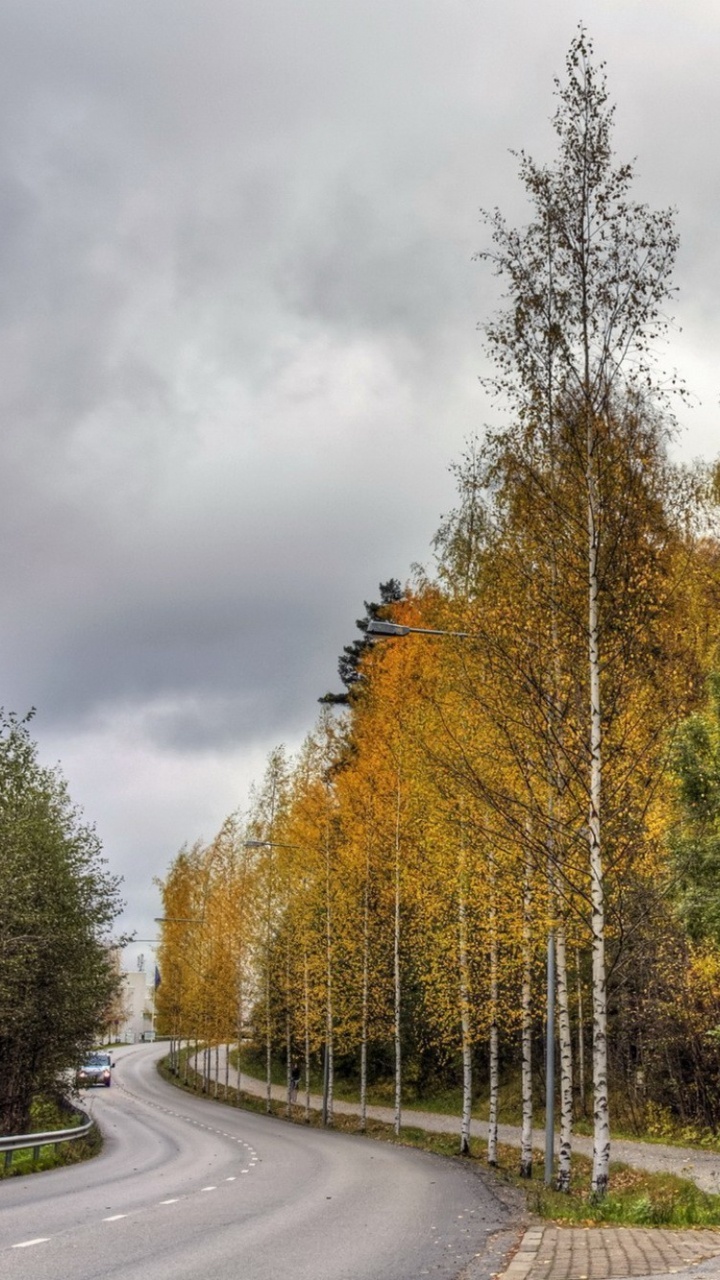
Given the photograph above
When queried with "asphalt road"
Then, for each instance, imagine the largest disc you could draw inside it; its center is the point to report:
(188, 1190)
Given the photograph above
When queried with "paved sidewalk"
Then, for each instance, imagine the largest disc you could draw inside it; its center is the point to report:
(548, 1252)
(613, 1253)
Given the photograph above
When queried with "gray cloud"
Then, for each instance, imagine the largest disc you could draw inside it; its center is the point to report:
(238, 343)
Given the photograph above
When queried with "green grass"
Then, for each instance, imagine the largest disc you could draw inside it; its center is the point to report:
(46, 1115)
(659, 1126)
(445, 1101)
(636, 1198)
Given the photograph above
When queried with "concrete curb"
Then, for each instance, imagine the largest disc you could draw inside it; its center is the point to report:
(525, 1254)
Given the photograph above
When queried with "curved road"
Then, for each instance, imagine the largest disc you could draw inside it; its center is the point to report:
(186, 1189)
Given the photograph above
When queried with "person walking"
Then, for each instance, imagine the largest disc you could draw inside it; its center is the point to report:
(294, 1081)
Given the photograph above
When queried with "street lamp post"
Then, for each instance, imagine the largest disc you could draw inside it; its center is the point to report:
(381, 629)
(175, 1051)
(151, 942)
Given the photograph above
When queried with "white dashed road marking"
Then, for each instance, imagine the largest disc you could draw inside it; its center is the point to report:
(116, 1217)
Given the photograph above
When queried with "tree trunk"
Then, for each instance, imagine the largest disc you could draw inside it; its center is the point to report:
(288, 1028)
(494, 1064)
(16, 1094)
(580, 1035)
(526, 1147)
(397, 975)
(307, 1039)
(601, 1115)
(566, 1064)
(465, 1018)
(239, 1033)
(329, 1048)
(268, 1035)
(362, 1123)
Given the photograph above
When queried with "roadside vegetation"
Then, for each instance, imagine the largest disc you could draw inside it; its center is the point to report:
(658, 1125)
(509, 817)
(637, 1198)
(47, 1114)
(58, 973)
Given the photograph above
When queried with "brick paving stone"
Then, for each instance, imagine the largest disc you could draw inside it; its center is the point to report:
(609, 1253)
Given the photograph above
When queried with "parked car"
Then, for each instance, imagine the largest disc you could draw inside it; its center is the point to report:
(95, 1070)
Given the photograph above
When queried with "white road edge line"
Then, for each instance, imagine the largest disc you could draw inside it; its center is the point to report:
(170, 1201)
(25, 1244)
(115, 1217)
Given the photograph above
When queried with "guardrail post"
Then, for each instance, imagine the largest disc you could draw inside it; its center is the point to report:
(8, 1159)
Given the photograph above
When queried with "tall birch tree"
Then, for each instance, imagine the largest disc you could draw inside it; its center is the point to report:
(586, 283)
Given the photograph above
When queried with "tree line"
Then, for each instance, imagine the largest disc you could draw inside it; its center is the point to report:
(539, 777)
(58, 971)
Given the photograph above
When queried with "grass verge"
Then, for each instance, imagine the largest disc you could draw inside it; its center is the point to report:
(655, 1125)
(636, 1198)
(48, 1114)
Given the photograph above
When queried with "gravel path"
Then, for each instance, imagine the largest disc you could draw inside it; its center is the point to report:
(702, 1167)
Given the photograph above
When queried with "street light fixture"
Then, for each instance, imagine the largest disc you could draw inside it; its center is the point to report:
(177, 919)
(384, 630)
(379, 628)
(268, 844)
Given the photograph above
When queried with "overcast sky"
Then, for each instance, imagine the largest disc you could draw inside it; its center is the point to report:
(239, 346)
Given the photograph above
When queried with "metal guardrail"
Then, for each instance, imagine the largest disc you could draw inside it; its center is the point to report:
(34, 1141)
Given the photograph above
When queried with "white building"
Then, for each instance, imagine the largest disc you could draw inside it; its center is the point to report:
(138, 1008)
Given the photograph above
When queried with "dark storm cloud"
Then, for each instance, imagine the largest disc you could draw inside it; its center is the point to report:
(238, 343)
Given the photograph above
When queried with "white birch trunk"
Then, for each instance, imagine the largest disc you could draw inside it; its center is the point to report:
(238, 1078)
(268, 930)
(580, 1035)
(268, 1034)
(601, 1114)
(566, 1063)
(465, 1017)
(329, 1093)
(288, 1028)
(329, 1054)
(526, 1147)
(362, 1124)
(396, 974)
(307, 1038)
(494, 1064)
